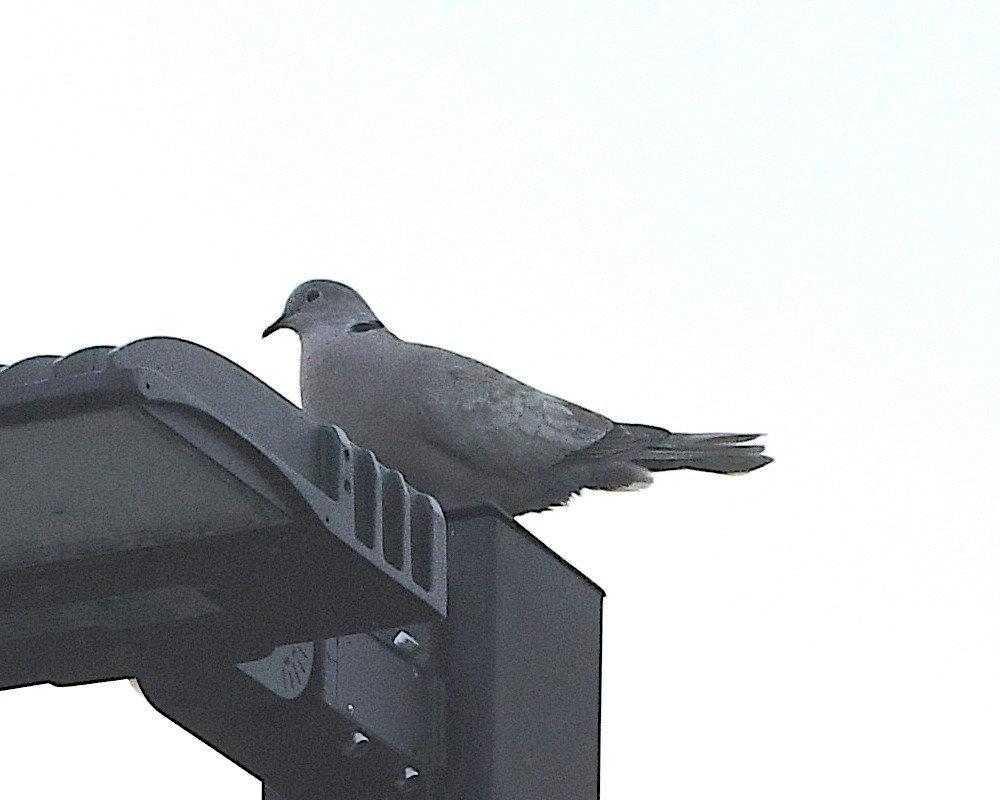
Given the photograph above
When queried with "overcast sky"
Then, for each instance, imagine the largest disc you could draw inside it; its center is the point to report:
(760, 216)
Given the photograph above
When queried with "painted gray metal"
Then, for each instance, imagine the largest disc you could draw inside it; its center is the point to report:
(159, 504)
(498, 701)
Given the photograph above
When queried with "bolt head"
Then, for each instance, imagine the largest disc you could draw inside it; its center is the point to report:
(357, 745)
(409, 781)
(405, 643)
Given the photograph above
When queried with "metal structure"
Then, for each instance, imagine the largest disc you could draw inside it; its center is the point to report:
(281, 594)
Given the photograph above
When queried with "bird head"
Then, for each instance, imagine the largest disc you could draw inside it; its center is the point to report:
(325, 305)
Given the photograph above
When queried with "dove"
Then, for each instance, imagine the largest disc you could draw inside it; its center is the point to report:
(467, 433)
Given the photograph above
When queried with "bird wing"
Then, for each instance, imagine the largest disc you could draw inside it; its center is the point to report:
(496, 423)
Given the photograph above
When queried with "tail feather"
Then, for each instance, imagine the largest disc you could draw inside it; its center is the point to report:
(657, 450)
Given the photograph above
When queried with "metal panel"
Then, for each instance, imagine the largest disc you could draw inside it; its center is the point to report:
(114, 480)
(382, 693)
(523, 667)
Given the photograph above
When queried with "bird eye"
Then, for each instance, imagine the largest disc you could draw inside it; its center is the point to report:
(312, 295)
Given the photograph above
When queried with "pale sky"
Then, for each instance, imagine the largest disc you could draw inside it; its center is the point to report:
(761, 216)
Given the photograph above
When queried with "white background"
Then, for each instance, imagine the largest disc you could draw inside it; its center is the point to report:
(775, 216)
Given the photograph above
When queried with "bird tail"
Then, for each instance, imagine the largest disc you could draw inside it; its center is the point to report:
(656, 449)
(724, 453)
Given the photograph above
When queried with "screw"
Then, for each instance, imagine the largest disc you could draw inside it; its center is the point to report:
(408, 781)
(357, 745)
(406, 643)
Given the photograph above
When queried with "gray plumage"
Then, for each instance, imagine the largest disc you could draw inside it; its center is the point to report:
(467, 433)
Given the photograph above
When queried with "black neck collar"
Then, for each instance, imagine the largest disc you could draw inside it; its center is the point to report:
(361, 327)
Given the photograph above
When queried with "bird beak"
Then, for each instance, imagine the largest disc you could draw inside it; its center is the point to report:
(277, 324)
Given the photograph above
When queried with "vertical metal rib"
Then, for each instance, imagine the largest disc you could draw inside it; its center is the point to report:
(366, 497)
(394, 518)
(422, 520)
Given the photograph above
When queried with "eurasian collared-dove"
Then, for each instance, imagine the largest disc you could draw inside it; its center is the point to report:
(467, 433)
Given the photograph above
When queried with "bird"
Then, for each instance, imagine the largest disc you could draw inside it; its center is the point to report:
(466, 433)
